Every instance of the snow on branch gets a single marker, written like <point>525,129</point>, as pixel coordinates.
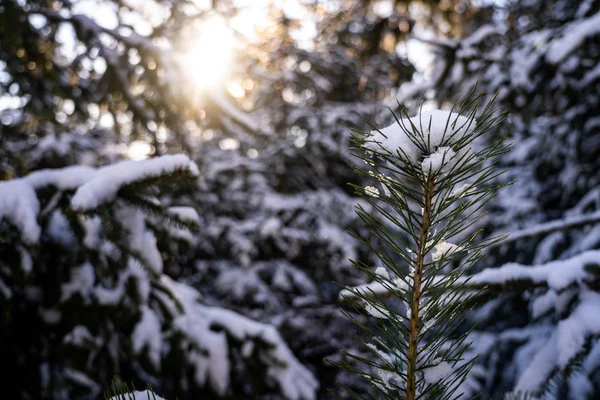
<point>107,181</point>
<point>93,187</point>
<point>574,35</point>
<point>556,275</point>
<point>568,341</point>
<point>208,328</point>
<point>20,206</point>
<point>551,226</point>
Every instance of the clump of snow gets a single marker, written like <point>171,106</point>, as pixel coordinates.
<point>376,311</point>
<point>566,343</point>
<point>382,272</point>
<point>387,377</point>
<point>543,304</point>
<point>113,295</point>
<point>437,372</point>
<point>26,261</point>
<point>79,336</point>
<point>372,191</point>
<point>20,206</point>
<point>461,190</point>
<point>147,334</point>
<point>573,332</point>
<point>187,214</point>
<point>444,249</point>
<point>421,135</point>
<point>81,282</point>
<point>59,230</point>
<point>437,160</point>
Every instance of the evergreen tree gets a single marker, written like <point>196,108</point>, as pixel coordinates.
<point>84,295</point>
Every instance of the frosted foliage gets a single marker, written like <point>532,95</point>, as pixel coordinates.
<point>19,205</point>
<point>147,334</point>
<point>422,135</point>
<point>81,282</point>
<point>187,214</point>
<point>573,332</point>
<point>210,354</point>
<point>575,34</point>
<point>141,239</point>
<point>107,181</point>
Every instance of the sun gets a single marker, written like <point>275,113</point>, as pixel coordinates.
<point>207,58</point>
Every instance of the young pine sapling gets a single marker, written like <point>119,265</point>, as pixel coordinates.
<point>432,177</point>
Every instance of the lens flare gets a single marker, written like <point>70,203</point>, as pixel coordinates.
<point>208,58</point>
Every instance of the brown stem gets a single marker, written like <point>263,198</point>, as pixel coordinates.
<point>411,384</point>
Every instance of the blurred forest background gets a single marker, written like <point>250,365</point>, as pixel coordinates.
<point>262,96</point>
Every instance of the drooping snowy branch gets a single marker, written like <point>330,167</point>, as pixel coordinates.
<point>545,228</point>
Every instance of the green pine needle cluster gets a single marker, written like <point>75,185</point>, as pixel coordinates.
<point>421,228</point>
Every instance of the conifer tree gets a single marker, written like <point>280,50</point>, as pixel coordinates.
<point>432,178</point>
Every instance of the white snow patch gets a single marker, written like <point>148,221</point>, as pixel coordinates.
<point>376,311</point>
<point>68,178</point>
<point>573,332</point>
<point>187,214</point>
<point>431,130</point>
<point>372,191</point>
<point>575,34</point>
<point>141,239</point>
<point>437,160</point>
<point>20,206</point>
<point>107,181</point>
<point>437,372</point>
<point>444,249</point>
<point>147,334</point>
<point>82,281</point>
<point>382,272</point>
<point>558,274</point>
